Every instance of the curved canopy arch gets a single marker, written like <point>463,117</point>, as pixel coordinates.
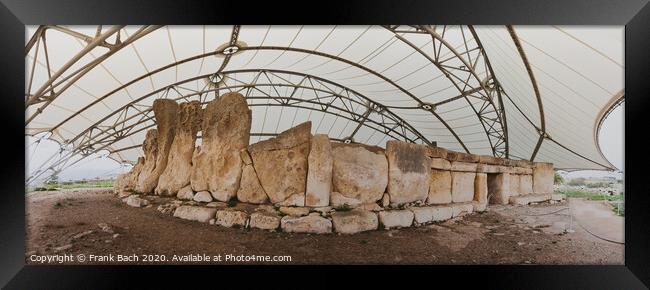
<point>447,85</point>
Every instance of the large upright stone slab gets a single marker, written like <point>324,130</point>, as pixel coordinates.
<point>125,184</point>
<point>359,171</point>
<point>462,187</point>
<point>319,174</point>
<point>281,162</point>
<point>481,188</point>
<point>499,188</point>
<point>165,112</point>
<point>409,172</point>
<point>526,184</point>
<point>250,189</point>
<point>514,185</point>
<point>439,187</point>
<point>225,130</point>
<point>179,163</point>
<point>543,176</point>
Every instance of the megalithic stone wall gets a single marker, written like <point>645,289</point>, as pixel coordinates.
<point>165,112</point>
<point>225,129</point>
<point>125,183</point>
<point>320,186</point>
<point>179,165</point>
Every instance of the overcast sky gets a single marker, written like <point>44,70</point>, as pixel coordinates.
<point>611,142</point>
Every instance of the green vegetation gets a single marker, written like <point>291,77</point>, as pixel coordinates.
<point>232,202</point>
<point>577,181</point>
<point>52,186</point>
<point>558,179</point>
<point>616,201</point>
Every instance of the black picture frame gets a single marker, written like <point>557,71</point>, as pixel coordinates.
<point>635,15</point>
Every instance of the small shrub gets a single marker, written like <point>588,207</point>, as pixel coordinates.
<point>381,226</point>
<point>232,202</point>
<point>236,226</point>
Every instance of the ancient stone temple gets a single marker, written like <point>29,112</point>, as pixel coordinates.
<point>304,183</point>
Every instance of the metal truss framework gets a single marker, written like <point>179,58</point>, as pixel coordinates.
<point>463,68</point>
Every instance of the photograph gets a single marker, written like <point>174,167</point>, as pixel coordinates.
<point>324,144</point>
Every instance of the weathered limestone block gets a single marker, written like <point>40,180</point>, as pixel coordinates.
<point>319,174</point>
<point>179,163</point>
<point>479,206</point>
<point>462,157</point>
<point>339,200</point>
<point>436,152</point>
<point>522,170</point>
<point>281,162</point>
<point>203,196</point>
<point>125,184</point>
<point>229,218</point>
<point>481,188</point>
<point>225,129</point>
<point>195,213</point>
<point>296,199</point>
<point>185,193</point>
<point>311,224</point>
<point>370,206</point>
<point>462,187</point>
<point>528,198</point>
<point>135,201</point>
<point>514,185</point>
<point>294,211</point>
<point>354,221</point>
<point>439,187</point>
<point>440,164</point>
<point>250,190</point>
<point>460,209</point>
<point>359,171</point>
<point>463,166</point>
<point>499,188</point>
<point>150,148</point>
<point>543,174</point>
<point>409,172</point>
<point>487,168</point>
<point>396,218</point>
<point>428,214</point>
<point>526,184</point>
<point>491,160</point>
<point>522,163</point>
<point>264,220</point>
<point>166,112</point>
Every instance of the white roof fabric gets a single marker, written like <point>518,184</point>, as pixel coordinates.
<point>418,87</point>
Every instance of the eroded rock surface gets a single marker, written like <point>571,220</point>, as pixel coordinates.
<point>179,163</point>
<point>319,174</point>
<point>225,129</point>
<point>409,172</point>
<point>125,184</point>
<point>359,171</point>
<point>166,113</point>
<point>281,162</point>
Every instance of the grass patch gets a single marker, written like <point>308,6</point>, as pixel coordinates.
<point>232,202</point>
<point>67,185</point>
<point>613,200</point>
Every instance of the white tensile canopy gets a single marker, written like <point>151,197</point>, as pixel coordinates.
<point>535,93</point>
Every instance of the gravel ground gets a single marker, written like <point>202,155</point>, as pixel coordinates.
<point>95,222</point>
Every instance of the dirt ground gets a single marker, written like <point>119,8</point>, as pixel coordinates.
<point>94,221</point>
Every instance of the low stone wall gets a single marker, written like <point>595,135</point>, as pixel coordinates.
<point>297,182</point>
